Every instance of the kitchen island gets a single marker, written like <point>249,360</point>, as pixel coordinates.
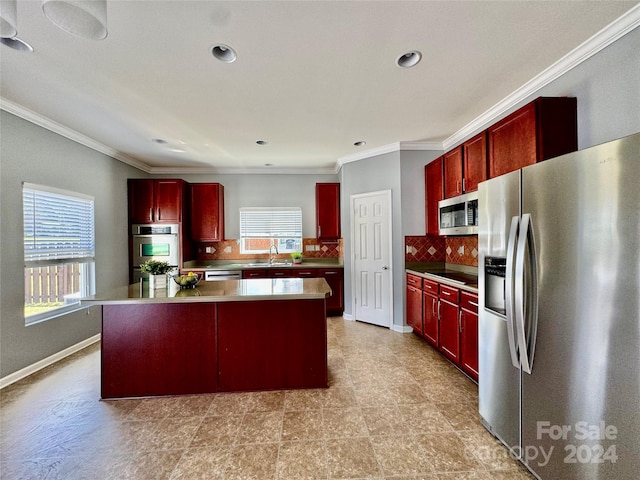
<point>223,336</point>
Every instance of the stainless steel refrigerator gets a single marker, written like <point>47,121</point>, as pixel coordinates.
<point>559,317</point>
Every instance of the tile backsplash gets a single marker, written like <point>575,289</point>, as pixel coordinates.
<point>458,250</point>
<point>230,250</point>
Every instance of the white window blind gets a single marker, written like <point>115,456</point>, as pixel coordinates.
<point>58,225</point>
<point>268,222</point>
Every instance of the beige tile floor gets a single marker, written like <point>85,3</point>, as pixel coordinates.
<point>394,410</point>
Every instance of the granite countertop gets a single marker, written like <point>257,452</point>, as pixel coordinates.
<point>464,278</point>
<point>217,291</point>
<point>261,263</point>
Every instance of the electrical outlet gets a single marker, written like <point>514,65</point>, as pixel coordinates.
<point>207,249</point>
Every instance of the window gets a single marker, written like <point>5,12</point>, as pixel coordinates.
<point>59,251</point>
<point>260,228</point>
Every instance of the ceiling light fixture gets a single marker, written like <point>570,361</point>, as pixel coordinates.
<point>360,143</point>
<point>224,53</point>
<point>8,18</point>
<point>159,141</point>
<point>84,18</point>
<point>16,44</point>
<point>262,142</point>
<point>409,59</point>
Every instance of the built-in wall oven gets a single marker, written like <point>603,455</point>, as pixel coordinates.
<point>154,242</point>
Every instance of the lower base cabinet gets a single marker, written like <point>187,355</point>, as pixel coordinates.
<point>469,333</point>
<point>449,321</point>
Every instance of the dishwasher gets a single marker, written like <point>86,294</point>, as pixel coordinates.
<point>213,275</point>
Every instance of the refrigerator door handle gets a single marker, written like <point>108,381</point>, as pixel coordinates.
<point>526,293</point>
<point>509,293</point>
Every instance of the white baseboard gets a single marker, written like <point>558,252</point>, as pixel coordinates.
<point>45,362</point>
<point>401,328</point>
<point>347,316</point>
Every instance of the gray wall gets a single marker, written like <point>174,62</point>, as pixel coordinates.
<point>273,190</point>
<point>29,153</point>
<point>374,174</point>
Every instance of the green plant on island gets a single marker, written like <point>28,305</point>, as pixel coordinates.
<point>155,267</point>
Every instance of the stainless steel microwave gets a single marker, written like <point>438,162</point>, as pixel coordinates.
<point>459,215</point>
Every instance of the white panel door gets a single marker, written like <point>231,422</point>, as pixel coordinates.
<point>372,257</point>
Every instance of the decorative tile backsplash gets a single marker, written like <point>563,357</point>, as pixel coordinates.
<point>230,250</point>
<point>458,250</point>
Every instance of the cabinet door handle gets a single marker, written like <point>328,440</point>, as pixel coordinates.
<point>438,310</point>
<point>463,184</point>
<point>330,273</point>
<point>473,303</point>
<point>460,321</point>
<point>319,231</point>
<point>433,306</point>
<point>151,214</point>
<point>446,293</point>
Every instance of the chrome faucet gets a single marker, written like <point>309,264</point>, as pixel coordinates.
<point>271,256</point>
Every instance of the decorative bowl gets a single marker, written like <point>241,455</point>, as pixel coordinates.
<point>187,281</point>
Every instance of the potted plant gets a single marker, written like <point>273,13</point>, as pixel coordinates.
<point>157,271</point>
<point>297,257</point>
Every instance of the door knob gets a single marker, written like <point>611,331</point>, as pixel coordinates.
<point>385,268</point>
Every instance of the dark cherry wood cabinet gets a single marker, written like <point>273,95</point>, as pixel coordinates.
<point>469,333</point>
<point>448,334</point>
<point>430,315</point>
<point>434,192</point>
<point>542,129</point>
<point>452,162</point>
<point>414,303</point>
<point>272,345</point>
<point>328,211</point>
<point>207,212</point>
<point>335,279</point>
<point>465,166</point>
<point>148,349</point>
<point>474,160</point>
<point>156,201</point>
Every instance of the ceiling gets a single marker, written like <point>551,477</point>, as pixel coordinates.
<point>311,77</point>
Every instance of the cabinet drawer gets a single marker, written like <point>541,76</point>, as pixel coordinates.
<point>279,272</point>
<point>304,273</point>
<point>449,293</point>
<point>414,281</point>
<point>469,301</point>
<point>430,286</point>
<point>254,273</point>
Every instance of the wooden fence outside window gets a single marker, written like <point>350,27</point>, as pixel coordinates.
<point>50,284</point>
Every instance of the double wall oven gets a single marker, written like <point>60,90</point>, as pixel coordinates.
<point>154,242</point>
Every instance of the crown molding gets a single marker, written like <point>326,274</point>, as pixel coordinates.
<point>240,171</point>
<point>391,147</point>
<point>55,127</point>
<point>605,37</point>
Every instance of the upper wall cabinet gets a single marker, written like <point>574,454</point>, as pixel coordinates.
<point>542,129</point>
<point>474,156</point>
<point>453,173</point>
<point>155,201</point>
<point>207,212</point>
<point>433,175</point>
<point>328,211</point>
<point>465,166</point>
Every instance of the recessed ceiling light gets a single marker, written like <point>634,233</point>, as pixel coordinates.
<point>159,141</point>
<point>262,142</point>
<point>224,53</point>
<point>16,44</point>
<point>361,143</point>
<point>409,59</point>
<point>268,164</point>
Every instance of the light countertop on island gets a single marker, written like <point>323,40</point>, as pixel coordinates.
<point>216,291</point>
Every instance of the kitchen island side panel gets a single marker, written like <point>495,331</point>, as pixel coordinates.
<point>158,349</point>
<point>272,345</point>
